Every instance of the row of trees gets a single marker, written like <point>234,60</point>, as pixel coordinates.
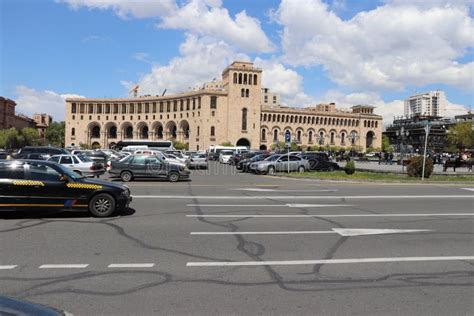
<point>14,139</point>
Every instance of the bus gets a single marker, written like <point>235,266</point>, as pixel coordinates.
<point>161,145</point>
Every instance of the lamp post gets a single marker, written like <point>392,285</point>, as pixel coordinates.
<point>353,136</point>
<point>427,132</point>
<point>402,134</point>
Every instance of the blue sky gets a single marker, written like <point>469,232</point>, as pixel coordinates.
<point>311,50</point>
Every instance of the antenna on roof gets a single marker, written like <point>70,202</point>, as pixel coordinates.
<point>164,92</point>
<point>134,90</point>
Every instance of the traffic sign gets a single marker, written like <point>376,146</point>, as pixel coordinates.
<point>287,137</point>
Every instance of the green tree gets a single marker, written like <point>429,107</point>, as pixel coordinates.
<point>386,143</point>
<point>461,135</point>
<point>55,134</point>
<point>30,136</point>
<point>10,139</point>
<point>181,146</point>
<point>227,143</point>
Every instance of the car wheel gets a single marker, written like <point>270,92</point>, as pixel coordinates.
<point>271,170</point>
<point>78,172</point>
<point>301,169</point>
<point>126,176</point>
<point>173,177</point>
<point>102,205</point>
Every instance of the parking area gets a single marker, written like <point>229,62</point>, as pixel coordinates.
<point>232,243</point>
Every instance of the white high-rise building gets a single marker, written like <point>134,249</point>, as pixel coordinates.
<point>431,103</point>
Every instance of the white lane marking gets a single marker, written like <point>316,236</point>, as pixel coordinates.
<point>347,232</point>
<point>326,261</point>
<point>331,215</point>
<point>300,197</point>
<point>265,233</point>
<point>274,190</point>
<point>8,267</point>
<point>131,265</point>
<point>63,266</point>
<point>352,232</point>
<point>268,205</point>
<point>469,189</point>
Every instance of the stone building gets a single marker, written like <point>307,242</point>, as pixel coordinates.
<point>42,121</point>
<point>9,119</point>
<point>231,110</point>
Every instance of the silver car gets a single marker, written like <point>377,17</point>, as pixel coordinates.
<point>280,163</point>
<point>198,161</point>
<point>80,164</point>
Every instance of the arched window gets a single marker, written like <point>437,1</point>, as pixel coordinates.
<point>250,79</point>
<point>264,134</point>
<point>365,123</point>
<point>244,119</point>
<point>112,132</point>
<point>321,138</point>
<point>343,138</point>
<point>332,138</point>
<point>376,124</point>
<point>73,108</point>
<point>242,93</point>
<point>275,134</point>
<point>255,80</point>
<point>247,93</point>
<point>240,78</point>
<point>213,131</point>
<point>298,136</point>
<point>235,77</point>
<point>245,78</point>
<point>96,132</point>
<point>300,119</point>
<point>73,132</point>
<point>129,132</point>
<point>278,118</point>
<point>264,117</point>
<point>198,130</point>
<point>310,137</point>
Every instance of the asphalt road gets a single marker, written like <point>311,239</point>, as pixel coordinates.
<point>226,243</point>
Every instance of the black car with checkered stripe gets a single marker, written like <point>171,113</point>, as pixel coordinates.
<point>34,184</point>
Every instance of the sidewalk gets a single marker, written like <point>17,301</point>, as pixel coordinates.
<point>374,166</point>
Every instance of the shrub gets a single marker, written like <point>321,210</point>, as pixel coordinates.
<point>415,168</point>
<point>181,146</point>
<point>350,167</point>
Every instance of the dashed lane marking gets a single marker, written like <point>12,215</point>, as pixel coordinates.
<point>327,261</point>
<point>63,266</point>
<point>131,265</point>
<point>347,232</point>
<point>8,267</point>
<point>269,205</point>
<point>329,215</point>
<point>468,189</point>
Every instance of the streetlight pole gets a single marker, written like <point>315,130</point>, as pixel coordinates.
<point>427,132</point>
<point>402,133</point>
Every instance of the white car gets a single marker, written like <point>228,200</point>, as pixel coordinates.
<point>80,164</point>
<point>225,155</point>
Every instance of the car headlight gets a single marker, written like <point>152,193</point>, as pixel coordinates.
<point>126,193</point>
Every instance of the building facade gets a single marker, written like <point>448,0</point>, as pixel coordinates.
<point>9,119</point>
<point>432,103</point>
<point>42,121</point>
<point>231,110</point>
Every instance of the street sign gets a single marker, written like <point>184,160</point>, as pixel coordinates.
<point>287,137</point>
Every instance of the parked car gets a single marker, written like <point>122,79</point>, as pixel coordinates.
<point>244,164</point>
<point>319,161</point>
<point>32,184</point>
<point>225,155</point>
<point>95,155</point>
<point>3,154</point>
<point>82,165</point>
<point>39,152</point>
<point>161,155</point>
<point>148,166</point>
<point>198,161</point>
<point>280,163</point>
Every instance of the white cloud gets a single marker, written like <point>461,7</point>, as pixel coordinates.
<point>201,59</point>
<point>283,81</point>
<point>201,17</point>
<point>143,57</point>
<point>30,101</point>
<point>388,48</point>
<point>127,8</point>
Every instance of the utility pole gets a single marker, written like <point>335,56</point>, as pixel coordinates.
<point>427,132</point>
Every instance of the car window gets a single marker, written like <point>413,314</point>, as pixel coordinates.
<point>42,173</point>
<point>54,159</point>
<point>11,171</point>
<point>139,160</point>
<point>152,160</point>
<point>84,158</point>
<point>283,158</point>
<point>66,160</point>
<point>294,158</point>
<point>75,159</point>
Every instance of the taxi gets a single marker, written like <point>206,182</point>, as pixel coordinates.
<point>34,184</point>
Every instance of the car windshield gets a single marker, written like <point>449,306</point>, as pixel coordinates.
<point>272,158</point>
<point>84,158</point>
<point>227,152</point>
